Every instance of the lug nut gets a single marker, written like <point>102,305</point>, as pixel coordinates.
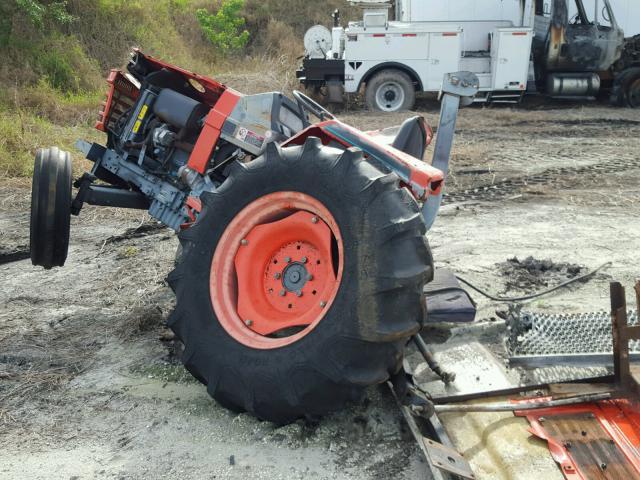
<point>244,242</point>
<point>304,260</point>
<point>309,277</point>
<point>287,259</point>
<point>248,323</point>
<point>314,219</point>
<point>277,276</point>
<point>299,293</point>
<point>323,304</point>
<point>283,293</point>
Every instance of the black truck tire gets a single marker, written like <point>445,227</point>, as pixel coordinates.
<point>379,304</point>
<point>630,88</point>
<point>390,91</point>
<point>626,88</point>
<point>50,207</point>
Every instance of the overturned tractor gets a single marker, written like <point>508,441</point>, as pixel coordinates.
<point>302,259</point>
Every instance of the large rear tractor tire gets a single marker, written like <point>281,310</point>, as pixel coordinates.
<point>300,283</point>
<point>50,207</point>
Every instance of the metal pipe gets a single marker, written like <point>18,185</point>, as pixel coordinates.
<point>567,360</point>
<point>458,90</point>
<point>423,348</point>
<point>514,407</point>
<point>503,392</point>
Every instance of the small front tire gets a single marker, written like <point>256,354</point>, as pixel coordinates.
<point>50,207</point>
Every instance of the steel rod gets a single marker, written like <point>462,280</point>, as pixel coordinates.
<point>567,360</point>
<point>513,407</point>
<point>467,397</point>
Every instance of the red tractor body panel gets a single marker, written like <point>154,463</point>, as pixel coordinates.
<point>420,177</point>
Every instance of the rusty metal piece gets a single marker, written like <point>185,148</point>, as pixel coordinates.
<point>622,334</point>
<point>447,459</point>
<point>589,450</point>
<point>437,454</point>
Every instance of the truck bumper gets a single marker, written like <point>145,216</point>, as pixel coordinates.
<point>319,71</point>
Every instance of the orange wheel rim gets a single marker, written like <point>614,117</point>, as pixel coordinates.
<point>276,270</point>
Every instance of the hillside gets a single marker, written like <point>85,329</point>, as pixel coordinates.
<point>54,56</point>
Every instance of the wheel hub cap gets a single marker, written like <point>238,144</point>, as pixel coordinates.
<point>295,277</point>
<point>390,97</point>
<point>284,272</point>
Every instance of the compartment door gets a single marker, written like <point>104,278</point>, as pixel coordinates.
<point>510,54</point>
<point>444,57</point>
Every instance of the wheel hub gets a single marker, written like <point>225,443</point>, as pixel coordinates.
<point>285,273</point>
<point>294,277</point>
<point>390,96</point>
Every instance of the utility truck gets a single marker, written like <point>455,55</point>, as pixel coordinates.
<point>559,48</point>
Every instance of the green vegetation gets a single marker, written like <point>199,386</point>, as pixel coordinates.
<point>225,28</point>
<point>55,54</point>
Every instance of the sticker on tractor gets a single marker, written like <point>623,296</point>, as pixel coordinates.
<point>143,112</point>
<point>250,137</point>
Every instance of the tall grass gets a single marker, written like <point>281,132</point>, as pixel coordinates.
<point>52,78</point>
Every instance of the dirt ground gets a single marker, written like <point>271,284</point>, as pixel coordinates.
<point>90,387</point>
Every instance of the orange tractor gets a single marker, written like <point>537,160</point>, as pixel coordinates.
<point>302,260</point>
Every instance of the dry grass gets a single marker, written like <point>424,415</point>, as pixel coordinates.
<point>22,133</point>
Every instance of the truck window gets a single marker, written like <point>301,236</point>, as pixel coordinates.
<point>595,12</point>
<point>543,8</point>
<point>580,13</point>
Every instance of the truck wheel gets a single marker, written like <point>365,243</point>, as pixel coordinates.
<point>390,91</point>
<point>50,208</point>
<point>300,283</point>
<point>631,88</point>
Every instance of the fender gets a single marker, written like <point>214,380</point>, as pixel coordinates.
<point>392,66</point>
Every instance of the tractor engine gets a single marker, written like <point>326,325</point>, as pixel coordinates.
<point>171,135</point>
<point>160,132</point>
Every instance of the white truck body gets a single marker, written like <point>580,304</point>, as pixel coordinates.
<point>627,12</point>
<point>489,41</point>
<point>429,50</point>
<point>556,47</point>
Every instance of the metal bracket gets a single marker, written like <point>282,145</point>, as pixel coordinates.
<point>622,334</point>
<point>458,90</point>
<point>447,459</point>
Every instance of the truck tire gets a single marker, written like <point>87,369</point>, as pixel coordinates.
<point>50,208</point>
<point>390,91</point>
<point>300,283</point>
<point>630,88</point>
<point>626,88</point>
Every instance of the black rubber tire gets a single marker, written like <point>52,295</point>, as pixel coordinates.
<point>378,307</point>
<point>50,207</point>
<point>630,88</point>
<point>379,79</point>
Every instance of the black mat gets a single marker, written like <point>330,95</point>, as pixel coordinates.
<point>447,301</point>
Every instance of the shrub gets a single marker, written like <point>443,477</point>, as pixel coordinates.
<point>39,12</point>
<point>225,28</point>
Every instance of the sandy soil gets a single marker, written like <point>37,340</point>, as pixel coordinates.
<point>90,386</point>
